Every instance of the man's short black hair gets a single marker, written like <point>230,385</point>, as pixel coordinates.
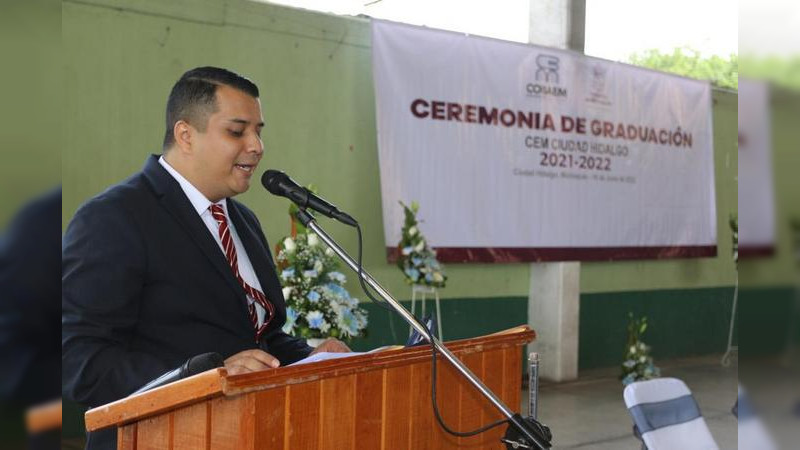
<point>193,98</point>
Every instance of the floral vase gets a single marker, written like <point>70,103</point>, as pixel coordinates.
<point>314,342</point>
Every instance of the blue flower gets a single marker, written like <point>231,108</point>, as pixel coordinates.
<point>407,250</point>
<point>315,319</point>
<point>287,273</point>
<point>412,273</point>
<point>416,260</point>
<point>291,320</point>
<point>313,296</point>
<point>630,378</point>
<point>337,290</point>
<point>351,303</point>
<point>347,322</point>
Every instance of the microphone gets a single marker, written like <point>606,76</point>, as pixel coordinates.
<point>278,183</point>
<point>196,364</point>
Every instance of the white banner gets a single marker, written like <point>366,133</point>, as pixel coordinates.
<point>756,197</point>
<point>523,153</point>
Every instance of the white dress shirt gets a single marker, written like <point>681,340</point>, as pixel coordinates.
<point>201,205</point>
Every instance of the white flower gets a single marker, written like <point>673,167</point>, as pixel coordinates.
<point>289,244</point>
<point>633,349</point>
<point>309,273</point>
<point>287,291</point>
<point>412,231</point>
<point>318,266</point>
<point>328,252</point>
<point>313,240</point>
<point>324,327</point>
<point>419,247</point>
<point>337,276</point>
<point>437,277</point>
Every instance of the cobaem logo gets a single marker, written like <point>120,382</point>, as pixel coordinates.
<point>547,68</point>
<point>547,78</point>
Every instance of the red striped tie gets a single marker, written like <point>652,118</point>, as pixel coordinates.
<point>230,254</point>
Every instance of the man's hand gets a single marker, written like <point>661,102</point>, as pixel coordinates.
<point>332,345</point>
<point>250,361</point>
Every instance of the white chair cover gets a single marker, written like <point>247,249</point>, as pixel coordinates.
<point>667,415</point>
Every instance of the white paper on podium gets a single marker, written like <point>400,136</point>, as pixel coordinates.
<point>324,356</point>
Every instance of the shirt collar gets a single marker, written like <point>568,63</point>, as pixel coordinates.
<point>198,200</point>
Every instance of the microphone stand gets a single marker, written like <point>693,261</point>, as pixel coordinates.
<point>528,429</point>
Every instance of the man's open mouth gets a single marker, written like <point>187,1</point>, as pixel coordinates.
<point>249,168</point>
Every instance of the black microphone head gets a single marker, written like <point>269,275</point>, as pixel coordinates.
<point>271,179</point>
<point>201,363</point>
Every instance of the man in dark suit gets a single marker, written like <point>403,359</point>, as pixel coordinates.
<point>166,266</point>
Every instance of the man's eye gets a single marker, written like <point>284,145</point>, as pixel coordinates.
<point>236,133</point>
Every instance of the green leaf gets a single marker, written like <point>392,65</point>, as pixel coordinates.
<point>722,72</point>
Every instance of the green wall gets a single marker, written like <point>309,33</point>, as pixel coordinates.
<point>30,89</point>
<point>683,322</point>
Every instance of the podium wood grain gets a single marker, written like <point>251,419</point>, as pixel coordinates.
<point>378,400</point>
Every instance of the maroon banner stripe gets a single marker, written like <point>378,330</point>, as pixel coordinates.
<point>523,254</point>
<point>756,251</point>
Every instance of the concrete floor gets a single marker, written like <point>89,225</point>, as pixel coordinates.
<point>590,413</point>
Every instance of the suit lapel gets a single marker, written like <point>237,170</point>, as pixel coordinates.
<point>179,207</point>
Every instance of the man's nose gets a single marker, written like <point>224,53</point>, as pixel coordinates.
<point>255,145</point>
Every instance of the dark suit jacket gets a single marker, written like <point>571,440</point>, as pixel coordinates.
<point>29,308</point>
<point>145,287</point>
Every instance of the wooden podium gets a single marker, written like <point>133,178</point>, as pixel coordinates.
<point>379,400</point>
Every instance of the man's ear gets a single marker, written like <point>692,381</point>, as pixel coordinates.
<point>184,134</point>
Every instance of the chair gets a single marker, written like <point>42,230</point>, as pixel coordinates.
<point>666,415</point>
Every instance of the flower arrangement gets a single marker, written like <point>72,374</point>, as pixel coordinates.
<point>318,305</point>
<point>417,260</point>
<point>638,364</point>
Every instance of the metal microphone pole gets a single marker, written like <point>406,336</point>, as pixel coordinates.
<point>523,426</point>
